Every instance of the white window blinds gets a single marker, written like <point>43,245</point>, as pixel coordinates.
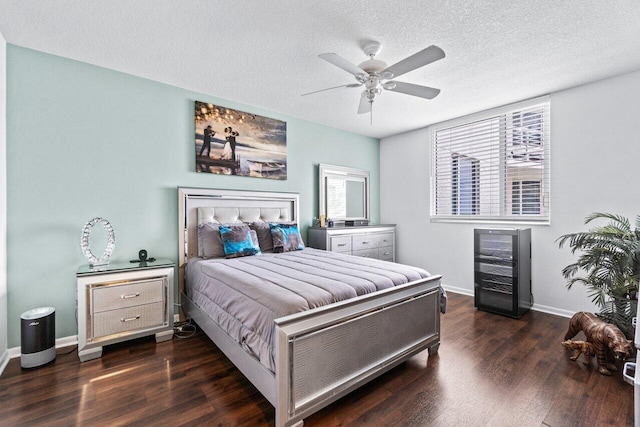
<point>493,165</point>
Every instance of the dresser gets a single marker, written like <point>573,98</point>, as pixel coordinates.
<point>371,241</point>
<point>119,302</point>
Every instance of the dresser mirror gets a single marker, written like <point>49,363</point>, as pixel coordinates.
<point>344,193</point>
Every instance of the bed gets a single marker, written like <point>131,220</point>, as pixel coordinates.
<point>301,351</point>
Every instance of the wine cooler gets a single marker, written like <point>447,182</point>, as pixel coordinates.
<point>502,271</point>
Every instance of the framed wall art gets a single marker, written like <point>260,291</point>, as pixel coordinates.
<point>234,142</point>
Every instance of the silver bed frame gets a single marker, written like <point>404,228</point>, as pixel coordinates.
<point>324,353</point>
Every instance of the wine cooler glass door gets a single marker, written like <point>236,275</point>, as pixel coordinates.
<point>496,271</point>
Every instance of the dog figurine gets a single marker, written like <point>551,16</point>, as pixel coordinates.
<point>579,347</point>
<point>605,339</point>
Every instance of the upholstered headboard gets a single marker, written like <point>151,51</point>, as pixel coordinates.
<point>227,215</point>
<point>200,205</point>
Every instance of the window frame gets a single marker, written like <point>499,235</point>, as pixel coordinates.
<point>544,218</point>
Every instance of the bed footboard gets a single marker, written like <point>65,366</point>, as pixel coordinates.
<point>326,353</point>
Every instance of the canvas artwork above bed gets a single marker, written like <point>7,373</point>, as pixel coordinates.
<point>234,142</point>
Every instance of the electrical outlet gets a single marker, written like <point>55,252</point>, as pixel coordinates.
<point>176,318</point>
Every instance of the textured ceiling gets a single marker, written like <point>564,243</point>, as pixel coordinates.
<point>264,54</point>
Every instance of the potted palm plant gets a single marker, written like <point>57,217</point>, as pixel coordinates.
<point>609,255</point>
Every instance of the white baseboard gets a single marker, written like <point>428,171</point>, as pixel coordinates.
<point>455,290</point>
<point>60,342</point>
<point>552,310</point>
<point>536,307</point>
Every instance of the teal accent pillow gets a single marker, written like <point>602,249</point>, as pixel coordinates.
<point>286,237</point>
<point>238,241</point>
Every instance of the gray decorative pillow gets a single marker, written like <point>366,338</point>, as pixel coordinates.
<point>263,231</point>
<point>209,241</point>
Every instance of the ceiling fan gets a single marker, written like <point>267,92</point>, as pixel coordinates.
<point>377,76</point>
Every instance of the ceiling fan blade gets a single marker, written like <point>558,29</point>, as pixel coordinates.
<point>415,90</point>
<point>417,60</point>
<point>340,62</point>
<point>331,88</point>
<point>365,105</point>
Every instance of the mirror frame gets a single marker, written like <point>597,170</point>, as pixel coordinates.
<point>325,171</point>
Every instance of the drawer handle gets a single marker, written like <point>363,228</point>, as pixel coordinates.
<point>342,244</point>
<point>137,294</point>
<point>129,319</point>
<point>365,242</point>
<point>386,253</point>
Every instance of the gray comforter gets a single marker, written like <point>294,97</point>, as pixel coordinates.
<point>245,295</point>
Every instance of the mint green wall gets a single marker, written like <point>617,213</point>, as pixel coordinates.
<point>84,141</point>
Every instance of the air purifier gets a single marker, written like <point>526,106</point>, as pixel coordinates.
<point>38,337</point>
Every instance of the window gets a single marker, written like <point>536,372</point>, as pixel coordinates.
<point>525,198</point>
<point>464,185</point>
<point>493,165</point>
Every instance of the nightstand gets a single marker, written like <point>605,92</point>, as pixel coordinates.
<point>123,301</point>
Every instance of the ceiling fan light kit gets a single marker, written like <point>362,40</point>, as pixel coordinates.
<point>376,75</point>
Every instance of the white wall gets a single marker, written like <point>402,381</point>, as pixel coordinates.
<point>3,204</point>
<point>595,167</point>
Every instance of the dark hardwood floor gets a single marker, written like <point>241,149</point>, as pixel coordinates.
<point>490,371</point>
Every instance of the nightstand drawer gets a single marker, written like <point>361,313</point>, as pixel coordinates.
<point>367,253</point>
<point>114,296</point>
<point>341,244</point>
<point>364,241</point>
<point>128,319</point>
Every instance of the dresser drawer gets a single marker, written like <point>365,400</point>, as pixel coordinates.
<point>340,244</point>
<point>376,241</point>
<point>385,239</point>
<point>385,253</point>
<point>141,292</point>
<point>128,319</point>
<point>367,253</point>
<point>364,241</point>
